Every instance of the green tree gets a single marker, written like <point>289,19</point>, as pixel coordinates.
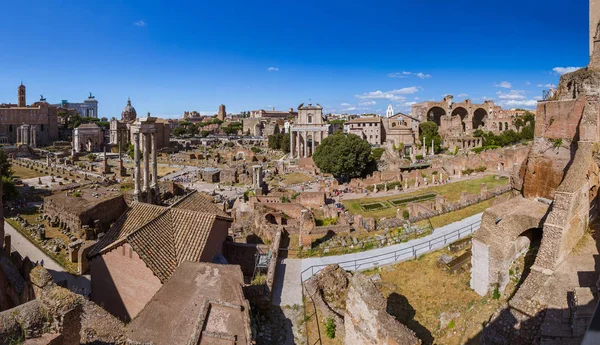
<point>345,156</point>
<point>285,143</point>
<point>5,164</point>
<point>9,189</point>
<point>275,141</point>
<point>429,131</point>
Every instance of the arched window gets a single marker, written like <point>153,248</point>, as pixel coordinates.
<point>506,126</point>
<point>309,118</point>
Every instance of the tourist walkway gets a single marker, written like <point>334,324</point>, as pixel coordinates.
<point>79,284</point>
<point>288,289</point>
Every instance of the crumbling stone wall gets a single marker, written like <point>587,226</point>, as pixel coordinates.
<point>366,320</point>
<point>311,200</point>
<point>106,211</point>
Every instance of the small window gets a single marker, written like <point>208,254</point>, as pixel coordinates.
<point>309,118</point>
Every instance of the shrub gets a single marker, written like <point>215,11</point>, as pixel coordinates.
<point>330,328</point>
<point>405,214</point>
<point>481,169</point>
<point>419,157</point>
<point>496,293</point>
<point>255,149</point>
<point>285,199</point>
<point>377,153</point>
<point>77,194</point>
<point>557,143</point>
<point>91,157</point>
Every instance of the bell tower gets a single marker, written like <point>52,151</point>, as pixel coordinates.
<point>22,96</point>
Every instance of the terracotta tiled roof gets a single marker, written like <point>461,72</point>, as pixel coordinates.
<point>164,237</point>
<point>201,203</point>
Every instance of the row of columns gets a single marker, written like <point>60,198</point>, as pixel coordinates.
<point>27,135</point>
<point>147,143</point>
<point>300,149</point>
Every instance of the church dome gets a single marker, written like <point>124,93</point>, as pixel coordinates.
<point>129,113</point>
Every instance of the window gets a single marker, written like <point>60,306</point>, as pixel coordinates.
<point>309,118</point>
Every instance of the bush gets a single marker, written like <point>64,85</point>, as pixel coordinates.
<point>557,143</point>
<point>330,328</point>
<point>77,194</point>
<point>255,149</point>
<point>377,153</point>
<point>419,157</point>
<point>91,157</point>
<point>496,293</point>
<point>405,214</point>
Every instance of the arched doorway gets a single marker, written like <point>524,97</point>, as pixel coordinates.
<point>462,113</point>
<point>479,117</point>
<point>435,115</point>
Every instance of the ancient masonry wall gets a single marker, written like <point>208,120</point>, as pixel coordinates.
<point>366,320</point>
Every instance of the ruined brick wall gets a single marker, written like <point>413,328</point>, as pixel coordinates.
<point>554,146</point>
<point>121,282</point>
<point>311,199</point>
<point>366,320</point>
<point>106,211</point>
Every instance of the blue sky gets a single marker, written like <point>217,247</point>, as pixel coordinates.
<point>353,57</point>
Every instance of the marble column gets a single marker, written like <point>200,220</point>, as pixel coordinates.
<point>312,146</point>
<point>136,158</point>
<point>305,144</point>
<point>291,143</point>
<point>146,162</point>
<point>154,161</point>
<point>298,143</point>
<point>18,134</point>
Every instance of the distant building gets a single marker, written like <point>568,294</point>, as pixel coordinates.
<point>87,108</point>
<point>40,117</point>
<point>308,131</point>
<point>368,128</point>
<point>222,113</point>
<point>120,131</point>
<point>261,113</point>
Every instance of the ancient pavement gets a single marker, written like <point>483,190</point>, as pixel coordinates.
<point>288,290</point>
<point>79,284</point>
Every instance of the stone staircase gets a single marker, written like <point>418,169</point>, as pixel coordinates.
<point>567,326</point>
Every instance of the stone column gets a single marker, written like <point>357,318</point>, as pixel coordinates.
<point>34,136</point>
<point>146,162</point>
<point>305,144</point>
<point>154,161</point>
<point>18,134</point>
<point>136,158</point>
<point>298,135</point>
<point>291,143</point>
<point>312,146</point>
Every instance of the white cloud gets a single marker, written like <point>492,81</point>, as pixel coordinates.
<point>513,94</point>
<point>463,95</point>
<point>345,104</point>
<point>520,103</point>
<point>547,86</point>
<point>349,109</point>
<point>409,103</point>
<point>394,95</point>
<point>405,74</point>
<point>367,103</point>
<point>273,69</point>
<point>527,83</point>
<point>504,84</point>
<point>396,75</point>
<point>564,70</point>
<point>140,23</point>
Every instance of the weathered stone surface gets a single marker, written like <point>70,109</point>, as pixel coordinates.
<point>366,320</point>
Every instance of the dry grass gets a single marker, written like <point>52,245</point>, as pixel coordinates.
<point>24,173</point>
<point>294,178</point>
<point>456,216</point>
<point>430,291</point>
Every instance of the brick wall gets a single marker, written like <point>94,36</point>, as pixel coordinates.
<point>121,282</point>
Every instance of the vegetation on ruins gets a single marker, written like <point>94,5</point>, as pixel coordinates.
<point>345,156</point>
<point>330,328</point>
<point>525,124</point>
<point>74,120</point>
<point>377,153</point>
<point>232,128</point>
<point>280,142</point>
<point>9,189</point>
<point>428,131</point>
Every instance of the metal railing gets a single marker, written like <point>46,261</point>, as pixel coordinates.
<point>411,252</point>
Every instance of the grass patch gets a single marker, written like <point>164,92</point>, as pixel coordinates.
<point>374,206</point>
<point>398,202</point>
<point>24,173</point>
<point>295,178</point>
<point>450,191</point>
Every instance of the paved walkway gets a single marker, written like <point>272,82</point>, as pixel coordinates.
<point>20,243</point>
<point>288,290</point>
